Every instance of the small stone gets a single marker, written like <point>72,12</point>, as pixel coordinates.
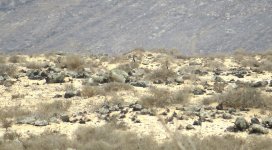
<point>255,120</point>
<point>227,116</point>
<point>64,118</point>
<point>137,107</point>
<point>197,123</point>
<point>190,127</point>
<point>41,123</point>
<point>219,106</point>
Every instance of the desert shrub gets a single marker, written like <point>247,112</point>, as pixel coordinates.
<point>47,110</point>
<point>16,59</point>
<point>116,86</point>
<point>243,97</point>
<point>163,74</point>
<point>9,70</point>
<point>35,65</point>
<point>128,67</point>
<point>16,96</point>
<point>90,91</point>
<point>109,137</point>
<point>73,62</point>
<point>2,59</point>
<point>266,65</point>
<point>7,114</point>
<point>214,64</point>
<point>219,87</point>
<point>250,62</point>
<point>163,97</point>
<point>47,141</point>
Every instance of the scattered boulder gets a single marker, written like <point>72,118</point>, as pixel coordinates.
<point>257,129</point>
<point>27,120</point>
<point>136,107</point>
<point>227,116</point>
<point>190,127</point>
<point>142,84</point>
<point>41,123</point>
<point>255,120</point>
<point>259,84</point>
<point>118,75</point>
<point>36,74</point>
<point>64,118</point>
<point>70,94</point>
<point>55,78</point>
<point>267,122</point>
<point>241,124</point>
<point>179,80</point>
<point>198,91</point>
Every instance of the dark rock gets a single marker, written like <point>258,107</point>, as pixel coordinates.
<point>198,91</point>
<point>139,84</point>
<point>145,112</point>
<point>270,84</point>
<point>259,84</point>
<point>219,106</point>
<point>241,124</point>
<point>255,120</point>
<point>57,96</point>
<point>158,82</point>
<point>231,110</point>
<point>81,121</point>
<point>55,78</point>
<point>70,94</point>
<point>64,118</point>
<point>137,107</point>
<point>267,122</point>
<point>257,129</point>
<point>197,123</point>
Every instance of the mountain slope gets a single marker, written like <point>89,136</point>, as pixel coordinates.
<point>113,26</point>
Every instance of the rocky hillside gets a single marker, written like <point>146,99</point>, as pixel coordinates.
<point>111,26</point>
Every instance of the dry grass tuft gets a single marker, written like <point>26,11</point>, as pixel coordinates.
<point>163,97</point>
<point>116,86</point>
<point>243,97</point>
<point>47,110</point>
<point>164,73</point>
<point>73,62</point>
<point>36,65</point>
<point>16,59</point>
<point>9,70</point>
<point>90,91</point>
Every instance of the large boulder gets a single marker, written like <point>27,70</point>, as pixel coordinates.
<point>258,129</point>
<point>118,75</point>
<point>36,74</point>
<point>55,78</point>
<point>241,124</point>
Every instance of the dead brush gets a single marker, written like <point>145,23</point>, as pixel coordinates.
<point>47,110</point>
<point>9,70</point>
<point>116,87</point>
<point>164,73</point>
<point>163,97</point>
<point>36,65</point>
<point>73,62</point>
<point>90,91</point>
<point>17,59</point>
<point>243,97</point>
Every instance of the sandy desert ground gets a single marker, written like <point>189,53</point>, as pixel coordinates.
<point>138,100</point>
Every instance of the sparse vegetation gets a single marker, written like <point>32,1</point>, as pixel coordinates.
<point>163,74</point>
<point>163,97</point>
<point>35,65</point>
<point>16,59</point>
<point>243,97</point>
<point>47,110</point>
<point>116,86</point>
<point>9,70</point>
<point>73,62</point>
<point>90,91</point>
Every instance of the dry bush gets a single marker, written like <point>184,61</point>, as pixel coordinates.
<point>109,137</point>
<point>219,86</point>
<point>250,62</point>
<point>47,110</point>
<point>47,141</point>
<point>128,67</point>
<point>7,114</point>
<point>9,70</point>
<point>266,65</point>
<point>2,59</point>
<point>36,65</point>
<point>243,97</point>
<point>73,62</point>
<point>163,97</point>
<point>16,96</point>
<point>214,64</point>
<point>90,91</point>
<point>116,86</point>
<point>163,74</point>
<point>16,59</point>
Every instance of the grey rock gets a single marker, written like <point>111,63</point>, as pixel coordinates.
<point>255,121</point>
<point>27,120</point>
<point>227,116</point>
<point>198,91</point>
<point>179,80</point>
<point>197,123</point>
<point>270,83</point>
<point>55,78</point>
<point>259,84</point>
<point>70,94</point>
<point>104,110</point>
<point>41,123</point>
<point>257,129</point>
<point>241,124</point>
<point>137,107</point>
<point>36,74</point>
<point>190,127</point>
<point>139,84</point>
<point>64,118</point>
<point>231,110</point>
<point>118,75</point>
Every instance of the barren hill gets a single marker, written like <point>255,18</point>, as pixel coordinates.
<point>112,26</point>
